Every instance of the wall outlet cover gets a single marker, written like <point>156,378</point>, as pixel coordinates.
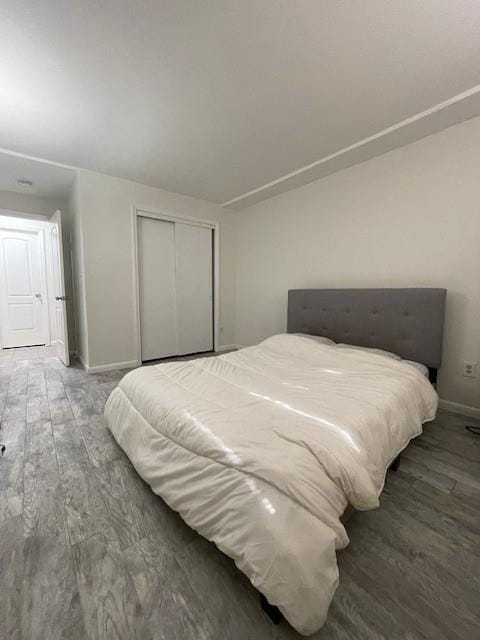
<point>470,369</point>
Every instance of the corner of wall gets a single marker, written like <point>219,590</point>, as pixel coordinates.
<point>78,273</point>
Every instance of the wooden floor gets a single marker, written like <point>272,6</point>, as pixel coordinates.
<point>87,551</point>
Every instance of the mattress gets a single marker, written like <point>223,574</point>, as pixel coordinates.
<point>261,450</point>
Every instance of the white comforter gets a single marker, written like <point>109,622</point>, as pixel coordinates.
<point>260,450</point>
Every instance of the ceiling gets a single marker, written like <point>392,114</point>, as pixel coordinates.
<point>217,98</point>
<point>48,181</point>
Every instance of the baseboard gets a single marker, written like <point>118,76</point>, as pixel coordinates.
<point>82,361</point>
<point>226,347</point>
<point>101,368</point>
<point>462,409</point>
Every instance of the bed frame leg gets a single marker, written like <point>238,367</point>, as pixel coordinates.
<point>272,612</point>
<point>395,464</point>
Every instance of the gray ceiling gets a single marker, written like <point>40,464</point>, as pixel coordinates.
<point>48,181</point>
<point>216,98</point>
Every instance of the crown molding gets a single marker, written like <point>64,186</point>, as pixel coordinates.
<point>460,107</point>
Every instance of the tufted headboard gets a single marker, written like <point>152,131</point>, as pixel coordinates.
<point>408,322</point>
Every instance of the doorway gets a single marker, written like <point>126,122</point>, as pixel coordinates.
<point>23,288</point>
<point>32,289</point>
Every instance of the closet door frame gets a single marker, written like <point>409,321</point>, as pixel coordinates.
<point>168,216</point>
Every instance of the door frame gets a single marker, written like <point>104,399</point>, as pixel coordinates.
<point>35,226</point>
<point>168,216</point>
<point>58,264</point>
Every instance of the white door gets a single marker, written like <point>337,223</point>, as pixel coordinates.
<point>22,291</point>
<point>156,277</point>
<point>61,328</point>
<point>194,282</point>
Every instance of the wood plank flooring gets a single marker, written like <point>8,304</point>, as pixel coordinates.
<point>87,551</point>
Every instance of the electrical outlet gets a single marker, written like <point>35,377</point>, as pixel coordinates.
<point>470,369</point>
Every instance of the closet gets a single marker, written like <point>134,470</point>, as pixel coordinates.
<point>175,281</point>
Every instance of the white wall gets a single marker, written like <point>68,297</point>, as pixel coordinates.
<point>39,208</point>
<point>103,217</point>
<point>78,273</point>
<point>407,218</point>
<point>27,203</point>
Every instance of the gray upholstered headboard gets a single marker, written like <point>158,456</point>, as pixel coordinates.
<point>408,322</point>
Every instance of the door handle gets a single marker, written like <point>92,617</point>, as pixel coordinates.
<point>63,298</point>
<point>38,295</point>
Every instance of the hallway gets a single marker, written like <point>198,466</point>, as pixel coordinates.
<point>27,353</point>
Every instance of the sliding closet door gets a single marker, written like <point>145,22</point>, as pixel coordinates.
<point>193,259</point>
<point>156,276</point>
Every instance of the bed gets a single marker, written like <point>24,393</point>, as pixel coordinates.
<point>261,450</point>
